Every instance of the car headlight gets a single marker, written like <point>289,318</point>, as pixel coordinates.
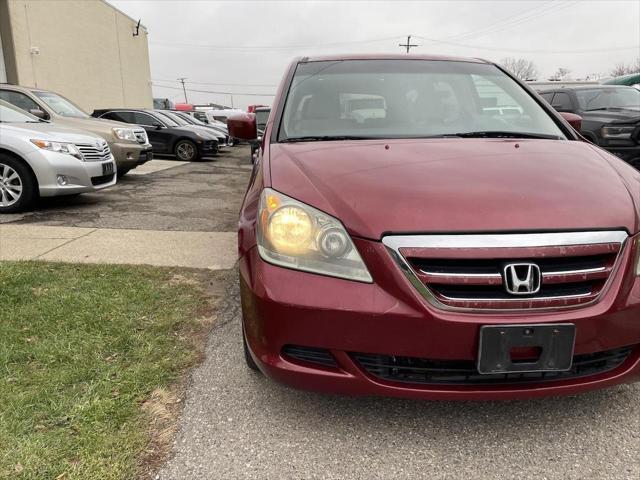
<point>60,147</point>
<point>125,134</point>
<point>621,132</point>
<point>295,235</point>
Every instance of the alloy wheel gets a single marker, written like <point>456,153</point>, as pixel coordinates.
<point>10,186</point>
<point>186,151</point>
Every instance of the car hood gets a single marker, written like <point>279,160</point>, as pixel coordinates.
<point>612,116</point>
<point>99,126</point>
<point>456,185</point>
<point>51,132</point>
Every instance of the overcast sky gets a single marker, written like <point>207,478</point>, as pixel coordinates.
<point>244,46</point>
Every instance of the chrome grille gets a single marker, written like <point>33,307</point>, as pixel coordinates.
<point>468,272</point>
<point>97,152</point>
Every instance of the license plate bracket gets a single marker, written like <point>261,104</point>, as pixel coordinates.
<point>107,168</point>
<point>555,343</point>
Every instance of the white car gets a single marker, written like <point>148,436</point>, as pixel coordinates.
<point>38,158</point>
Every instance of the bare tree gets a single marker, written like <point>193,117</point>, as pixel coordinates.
<point>624,69</point>
<point>522,68</point>
<point>561,74</point>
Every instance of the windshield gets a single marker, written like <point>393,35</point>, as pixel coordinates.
<point>189,119</point>
<point>11,114</point>
<point>408,99</point>
<point>60,105</point>
<point>166,119</point>
<point>626,98</point>
<point>175,118</point>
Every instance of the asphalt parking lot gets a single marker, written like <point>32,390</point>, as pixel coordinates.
<point>238,425</point>
<point>198,196</point>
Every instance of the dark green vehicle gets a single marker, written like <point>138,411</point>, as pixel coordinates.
<point>631,80</point>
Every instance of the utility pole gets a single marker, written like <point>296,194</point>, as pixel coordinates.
<point>408,45</point>
<point>181,80</point>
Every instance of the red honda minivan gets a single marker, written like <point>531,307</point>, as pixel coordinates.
<point>428,227</point>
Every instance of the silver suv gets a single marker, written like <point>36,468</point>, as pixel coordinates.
<point>38,158</point>
<point>128,143</point>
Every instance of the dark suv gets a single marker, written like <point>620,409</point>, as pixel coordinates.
<point>610,116</point>
<point>166,136</point>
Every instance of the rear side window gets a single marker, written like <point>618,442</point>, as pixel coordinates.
<point>126,117</point>
<point>547,96</point>
<point>142,118</point>
<point>19,100</point>
<point>562,101</point>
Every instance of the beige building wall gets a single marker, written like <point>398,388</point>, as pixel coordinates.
<point>82,49</point>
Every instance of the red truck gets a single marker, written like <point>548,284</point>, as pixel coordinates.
<point>429,227</point>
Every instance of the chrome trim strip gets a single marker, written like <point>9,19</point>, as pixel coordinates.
<point>575,272</point>
<point>517,299</point>
<point>394,242</point>
<point>474,275</point>
<point>508,240</point>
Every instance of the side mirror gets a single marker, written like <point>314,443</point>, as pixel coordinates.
<point>157,125</point>
<point>243,126</point>
<point>36,112</point>
<point>572,119</point>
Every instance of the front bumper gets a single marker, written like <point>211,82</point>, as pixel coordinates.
<point>283,307</point>
<point>207,147</point>
<point>128,155</point>
<point>81,177</point>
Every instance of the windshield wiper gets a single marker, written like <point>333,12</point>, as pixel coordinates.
<point>324,138</point>
<point>501,134</point>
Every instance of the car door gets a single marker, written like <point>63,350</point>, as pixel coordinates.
<point>158,137</point>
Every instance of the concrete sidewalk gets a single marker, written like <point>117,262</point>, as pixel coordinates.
<point>212,250</point>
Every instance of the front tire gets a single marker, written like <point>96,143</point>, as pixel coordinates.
<point>17,185</point>
<point>186,151</point>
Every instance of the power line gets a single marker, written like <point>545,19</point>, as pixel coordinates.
<point>217,93</point>
<point>273,47</point>
<point>512,21</point>
<point>519,50</point>
<point>220,84</point>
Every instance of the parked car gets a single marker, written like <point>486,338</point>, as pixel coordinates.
<point>166,136</point>
<point>194,121</point>
<point>610,116</point>
<point>441,251</point>
<point>201,115</point>
<point>128,143</point>
<point>262,115</point>
<point>222,139</point>
<point>38,158</point>
<point>631,80</point>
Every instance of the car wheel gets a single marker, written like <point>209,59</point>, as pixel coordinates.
<point>186,151</point>
<point>247,355</point>
<point>17,186</point>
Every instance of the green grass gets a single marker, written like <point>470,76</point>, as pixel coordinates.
<point>81,348</point>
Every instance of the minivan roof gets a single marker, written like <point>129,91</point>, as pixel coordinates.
<point>389,56</point>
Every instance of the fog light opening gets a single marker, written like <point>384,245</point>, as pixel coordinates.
<point>62,180</point>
